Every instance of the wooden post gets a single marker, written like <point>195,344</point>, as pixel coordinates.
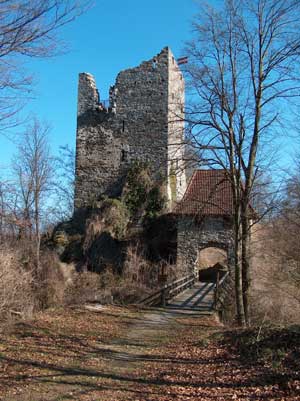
<point>217,289</point>
<point>163,282</point>
<point>163,297</point>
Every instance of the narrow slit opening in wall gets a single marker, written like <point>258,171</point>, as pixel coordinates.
<point>123,155</point>
<point>123,126</point>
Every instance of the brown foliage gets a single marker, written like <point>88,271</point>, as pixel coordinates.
<point>24,288</point>
<point>16,286</point>
<point>50,281</point>
<point>86,287</point>
<point>275,292</point>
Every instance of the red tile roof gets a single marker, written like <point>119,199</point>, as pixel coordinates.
<point>209,193</point>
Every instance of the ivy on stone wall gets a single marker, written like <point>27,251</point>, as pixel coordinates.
<point>141,195</point>
<point>115,216</point>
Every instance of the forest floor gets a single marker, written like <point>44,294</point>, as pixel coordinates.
<point>118,353</point>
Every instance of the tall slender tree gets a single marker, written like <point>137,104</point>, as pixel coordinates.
<point>244,68</point>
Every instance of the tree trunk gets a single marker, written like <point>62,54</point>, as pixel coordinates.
<point>246,262</point>
<point>238,270</point>
<point>37,229</point>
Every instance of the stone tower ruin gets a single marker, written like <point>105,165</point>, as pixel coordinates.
<point>143,120</point>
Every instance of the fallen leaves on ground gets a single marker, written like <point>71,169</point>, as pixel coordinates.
<point>130,354</point>
<point>57,347</point>
<point>215,365</point>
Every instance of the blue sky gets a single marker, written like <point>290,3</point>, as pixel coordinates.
<point>112,36</point>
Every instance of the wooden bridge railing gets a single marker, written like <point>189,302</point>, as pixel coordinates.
<point>223,287</point>
<point>169,291</point>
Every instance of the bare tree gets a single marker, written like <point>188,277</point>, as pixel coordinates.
<point>65,181</point>
<point>11,225</point>
<point>28,29</point>
<point>34,173</point>
<point>244,67</point>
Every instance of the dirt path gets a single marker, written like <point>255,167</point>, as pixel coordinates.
<point>141,346</point>
<point>152,330</point>
<point>63,366</point>
<point>121,354</point>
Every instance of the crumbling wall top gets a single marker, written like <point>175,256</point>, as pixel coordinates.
<point>88,95</point>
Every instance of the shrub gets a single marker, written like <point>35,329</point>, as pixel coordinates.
<point>50,282</point>
<point>111,216</point>
<point>116,217</point>
<point>155,204</point>
<point>89,287</point>
<point>275,293</point>
<point>83,287</point>
<point>25,289</point>
<point>129,292</point>
<point>138,184</point>
<point>137,269</point>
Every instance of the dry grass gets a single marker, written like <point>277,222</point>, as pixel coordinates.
<point>87,287</point>
<point>133,284</point>
<point>25,289</point>
<point>138,269</point>
<point>50,282</point>
<point>16,287</point>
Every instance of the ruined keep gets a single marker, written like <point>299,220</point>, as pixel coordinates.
<point>142,120</point>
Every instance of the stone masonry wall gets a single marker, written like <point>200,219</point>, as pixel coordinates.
<point>192,237</point>
<point>135,126</point>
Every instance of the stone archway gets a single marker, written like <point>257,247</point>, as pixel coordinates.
<point>193,237</point>
<point>212,262</point>
<point>210,255</point>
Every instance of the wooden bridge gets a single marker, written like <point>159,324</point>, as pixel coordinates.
<point>200,298</point>
<point>190,294</point>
